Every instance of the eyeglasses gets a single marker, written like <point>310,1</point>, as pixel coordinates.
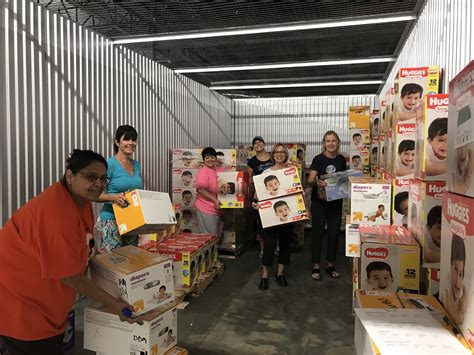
<point>280,152</point>
<point>94,177</point>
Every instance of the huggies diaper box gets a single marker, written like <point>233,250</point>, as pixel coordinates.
<point>226,159</point>
<point>411,85</point>
<point>359,117</point>
<point>142,279</point>
<point>210,239</point>
<point>374,151</point>
<point>186,158</point>
<point>183,197</point>
<point>296,153</point>
<point>383,107</point>
<point>424,218</point>
<point>404,152</point>
<point>389,100</point>
<point>359,139</point>
<point>360,160</point>
<point>282,210</point>
<point>104,332</point>
<point>370,201</point>
<point>432,139</point>
<point>337,185</point>
<point>276,183</point>
<point>375,123</point>
<point>232,189</point>
<point>401,188</point>
<point>460,174</point>
<point>203,248</point>
<point>183,177</point>
<point>456,289</point>
<point>146,212</point>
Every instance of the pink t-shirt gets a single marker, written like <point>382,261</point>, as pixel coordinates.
<point>206,179</point>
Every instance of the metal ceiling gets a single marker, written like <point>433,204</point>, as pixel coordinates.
<point>119,19</point>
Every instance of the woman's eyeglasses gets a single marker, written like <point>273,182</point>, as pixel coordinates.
<point>94,177</point>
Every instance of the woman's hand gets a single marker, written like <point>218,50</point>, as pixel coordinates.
<point>118,309</point>
<point>321,183</point>
<point>255,205</point>
<point>119,199</point>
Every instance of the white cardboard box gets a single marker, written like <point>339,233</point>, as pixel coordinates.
<point>146,212</point>
<point>370,201</point>
<point>186,158</point>
<point>277,183</point>
<point>142,279</point>
<point>359,139</point>
<point>352,239</point>
<point>337,185</point>
<point>389,108</point>
<point>374,151</point>
<point>424,218</point>
<point>375,123</point>
<point>432,139</point>
<point>401,188</point>
<point>456,288</point>
<point>183,198</point>
<point>460,172</point>
<point>360,160</point>
<point>282,210</point>
<point>183,177</point>
<point>404,150</point>
<point>105,333</point>
<point>232,187</point>
<point>411,85</point>
<point>226,159</point>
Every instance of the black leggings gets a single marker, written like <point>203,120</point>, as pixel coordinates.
<point>49,346</point>
<point>323,212</point>
<point>283,235</point>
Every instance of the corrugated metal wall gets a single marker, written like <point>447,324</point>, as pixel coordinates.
<point>295,120</point>
<point>67,87</point>
<point>442,36</point>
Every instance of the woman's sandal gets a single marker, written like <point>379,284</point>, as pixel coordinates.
<point>331,271</point>
<point>316,274</point>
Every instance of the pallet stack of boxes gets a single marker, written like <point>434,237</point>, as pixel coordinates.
<point>359,136</point>
<point>456,288</point>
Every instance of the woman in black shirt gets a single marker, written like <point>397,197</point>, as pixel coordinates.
<point>324,212</point>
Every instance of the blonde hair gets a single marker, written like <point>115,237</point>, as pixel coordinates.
<point>275,147</point>
<point>332,133</point>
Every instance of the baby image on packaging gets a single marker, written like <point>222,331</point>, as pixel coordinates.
<point>379,276</point>
<point>432,239</point>
<point>406,157</point>
<point>272,185</point>
<point>401,206</point>
<point>380,213</point>
<point>282,211</point>
<point>356,163</point>
<point>437,148</point>
<point>455,297</point>
<point>411,96</point>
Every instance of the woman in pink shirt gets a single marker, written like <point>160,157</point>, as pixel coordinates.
<point>206,204</point>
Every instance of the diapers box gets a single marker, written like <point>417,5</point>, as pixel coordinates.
<point>424,218</point>
<point>232,187</point>
<point>383,108</point>
<point>203,251</point>
<point>359,139</point>
<point>282,210</point>
<point>244,154</point>
<point>460,174</point>
<point>204,246</point>
<point>359,117</point>
<point>389,263</point>
<point>183,197</point>
<point>104,332</point>
<point>401,188</point>
<point>431,284</point>
<point>375,123</point>
<point>186,158</point>
<point>185,261</point>
<point>276,183</point>
<point>146,212</point>
<point>432,139</point>
<point>404,150</point>
<point>374,151</point>
<point>183,177</point>
<point>382,158</point>
<point>360,160</point>
<point>142,279</point>
<point>352,239</point>
<point>411,85</point>
<point>370,201</point>
<point>226,159</point>
<point>456,289</point>
<point>188,219</point>
<point>296,153</point>
<point>337,185</point>
<point>389,151</point>
<point>210,239</point>
<point>389,100</point>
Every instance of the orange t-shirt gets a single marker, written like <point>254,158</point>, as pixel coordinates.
<point>43,241</point>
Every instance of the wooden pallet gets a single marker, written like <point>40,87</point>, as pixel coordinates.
<point>210,276</point>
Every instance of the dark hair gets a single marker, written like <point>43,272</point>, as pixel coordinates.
<point>80,159</point>
<point>406,145</point>
<point>376,121</point>
<point>375,150</point>
<point>399,198</point>
<point>439,127</point>
<point>458,250</point>
<point>187,230</point>
<point>187,173</point>
<point>187,153</point>
<point>411,88</point>
<point>355,156</point>
<point>186,192</point>
<point>356,135</point>
<point>381,206</point>
<point>127,132</point>
<point>378,265</point>
<point>257,138</point>
<point>187,212</point>
<point>162,287</point>
<point>219,154</point>
<point>269,178</point>
<point>279,204</point>
<point>208,152</point>
<point>232,187</point>
<point>434,216</point>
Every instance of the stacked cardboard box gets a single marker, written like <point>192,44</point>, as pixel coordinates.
<point>456,288</point>
<point>236,236</point>
<point>359,135</point>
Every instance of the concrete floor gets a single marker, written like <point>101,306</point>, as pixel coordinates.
<point>234,317</point>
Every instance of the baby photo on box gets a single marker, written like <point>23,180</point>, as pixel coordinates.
<point>232,187</point>
<point>360,139</point>
<point>370,201</point>
<point>405,153</point>
<point>401,188</point>
<point>276,183</point>
<point>182,177</point>
<point>282,210</point>
<point>187,158</point>
<point>226,159</point>
<point>183,197</point>
<point>359,160</point>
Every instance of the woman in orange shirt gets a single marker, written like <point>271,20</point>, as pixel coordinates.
<point>44,249</point>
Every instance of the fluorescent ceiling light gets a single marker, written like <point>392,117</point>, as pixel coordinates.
<point>303,97</point>
<point>298,26</point>
<point>321,63</point>
<point>296,85</point>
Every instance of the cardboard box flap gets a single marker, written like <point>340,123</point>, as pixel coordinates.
<point>139,255</point>
<point>119,263</point>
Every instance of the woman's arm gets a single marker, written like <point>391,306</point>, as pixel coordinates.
<point>118,199</point>
<point>208,196</point>
<point>86,287</point>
